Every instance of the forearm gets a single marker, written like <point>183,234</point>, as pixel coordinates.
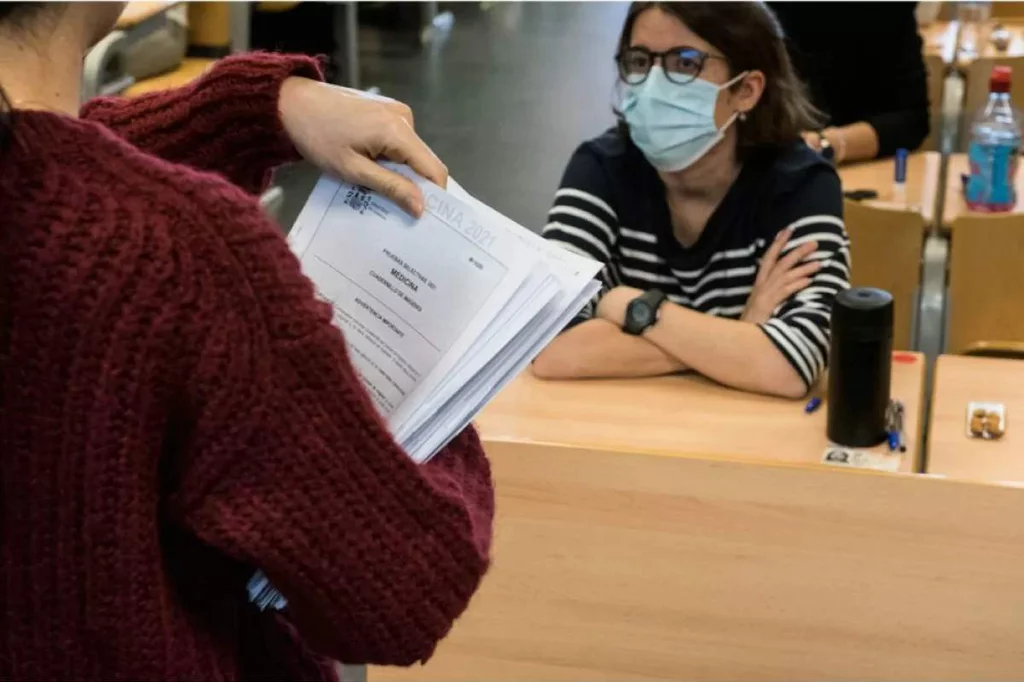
<point>226,122</point>
<point>854,142</point>
<point>599,349</point>
<point>731,352</point>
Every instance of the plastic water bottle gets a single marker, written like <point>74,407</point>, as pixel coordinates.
<point>995,148</point>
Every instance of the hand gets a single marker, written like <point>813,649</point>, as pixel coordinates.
<point>613,304</point>
<point>344,131</point>
<point>813,139</point>
<point>777,279</point>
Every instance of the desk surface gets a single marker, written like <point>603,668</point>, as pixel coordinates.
<point>137,12</point>
<point>954,204</point>
<point>958,381</point>
<point>984,49</point>
<point>923,179</point>
<point>686,416</point>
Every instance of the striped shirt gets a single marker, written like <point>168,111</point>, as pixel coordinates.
<point>611,206</point>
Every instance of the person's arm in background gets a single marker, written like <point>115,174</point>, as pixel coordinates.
<point>898,98</point>
<point>583,221</point>
<point>785,355</point>
<point>287,466</point>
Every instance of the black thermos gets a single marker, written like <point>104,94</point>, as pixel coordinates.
<point>860,365</point>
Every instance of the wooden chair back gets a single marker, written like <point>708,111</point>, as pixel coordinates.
<point>986,280</point>
<point>885,251</point>
<point>976,88</point>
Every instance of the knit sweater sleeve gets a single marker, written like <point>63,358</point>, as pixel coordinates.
<point>225,122</point>
<point>289,468</point>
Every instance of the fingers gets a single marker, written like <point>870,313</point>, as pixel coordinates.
<point>802,270</point>
<point>793,287</point>
<point>403,145</point>
<point>399,189</point>
<point>772,255</point>
<point>796,255</point>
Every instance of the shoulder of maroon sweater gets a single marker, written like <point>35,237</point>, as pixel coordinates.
<point>226,121</point>
<point>167,220</point>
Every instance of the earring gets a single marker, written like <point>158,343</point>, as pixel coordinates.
<point>743,116</point>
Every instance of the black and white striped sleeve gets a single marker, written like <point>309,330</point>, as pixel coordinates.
<point>584,221</point>
<point>800,328</point>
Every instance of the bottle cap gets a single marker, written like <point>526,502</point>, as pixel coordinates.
<point>1000,80</point>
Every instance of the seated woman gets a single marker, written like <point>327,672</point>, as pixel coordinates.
<point>876,99</point>
<point>720,230</point>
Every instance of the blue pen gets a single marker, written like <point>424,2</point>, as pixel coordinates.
<point>812,405</point>
<point>899,183</point>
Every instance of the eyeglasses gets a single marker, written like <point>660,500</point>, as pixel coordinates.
<point>681,64</point>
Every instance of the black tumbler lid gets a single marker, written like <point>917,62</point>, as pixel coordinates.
<point>864,312</point>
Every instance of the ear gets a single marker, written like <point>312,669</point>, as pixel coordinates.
<point>747,93</point>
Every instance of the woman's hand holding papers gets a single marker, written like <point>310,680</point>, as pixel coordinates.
<point>344,132</point>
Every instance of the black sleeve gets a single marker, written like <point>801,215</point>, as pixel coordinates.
<point>900,100</point>
<point>583,219</point>
<point>800,327</point>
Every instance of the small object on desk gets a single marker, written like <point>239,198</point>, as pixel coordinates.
<point>986,420</point>
<point>836,455</point>
<point>899,181</point>
<point>812,405</point>
<point>894,426</point>
<point>861,194</point>
<point>1000,37</point>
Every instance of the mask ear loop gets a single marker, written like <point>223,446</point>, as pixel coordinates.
<point>741,115</point>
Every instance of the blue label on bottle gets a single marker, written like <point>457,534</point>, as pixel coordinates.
<point>991,186</point>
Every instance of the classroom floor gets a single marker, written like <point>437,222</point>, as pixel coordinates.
<point>503,99</point>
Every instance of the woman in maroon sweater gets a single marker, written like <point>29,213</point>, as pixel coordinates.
<point>176,409</point>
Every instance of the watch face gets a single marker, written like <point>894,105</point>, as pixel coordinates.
<point>639,313</point>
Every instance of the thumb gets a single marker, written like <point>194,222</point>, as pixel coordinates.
<point>398,188</point>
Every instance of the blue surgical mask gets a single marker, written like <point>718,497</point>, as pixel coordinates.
<point>673,124</point>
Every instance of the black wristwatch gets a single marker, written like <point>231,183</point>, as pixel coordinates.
<point>642,312</point>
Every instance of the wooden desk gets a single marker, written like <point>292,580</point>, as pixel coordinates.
<point>984,47</point>
<point>616,566</point>
<point>954,203</point>
<point>958,381</point>
<point>137,12</point>
<point>685,416</point>
<point>923,180</point>
<point>190,69</point>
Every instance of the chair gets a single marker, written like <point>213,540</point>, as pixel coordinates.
<point>885,252</point>
<point>1007,10</point>
<point>986,278</point>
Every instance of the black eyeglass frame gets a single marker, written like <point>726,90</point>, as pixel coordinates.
<point>700,56</point>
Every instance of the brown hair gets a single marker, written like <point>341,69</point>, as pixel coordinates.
<point>751,38</point>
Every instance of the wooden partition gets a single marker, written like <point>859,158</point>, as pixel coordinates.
<point>619,566</point>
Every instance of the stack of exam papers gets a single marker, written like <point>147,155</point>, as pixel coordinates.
<point>439,313</point>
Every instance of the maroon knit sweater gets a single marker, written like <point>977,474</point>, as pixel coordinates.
<point>176,410</point>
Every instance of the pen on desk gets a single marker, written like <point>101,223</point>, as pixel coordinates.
<point>899,183</point>
<point>812,405</point>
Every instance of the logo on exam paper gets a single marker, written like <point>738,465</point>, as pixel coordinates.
<point>358,199</point>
